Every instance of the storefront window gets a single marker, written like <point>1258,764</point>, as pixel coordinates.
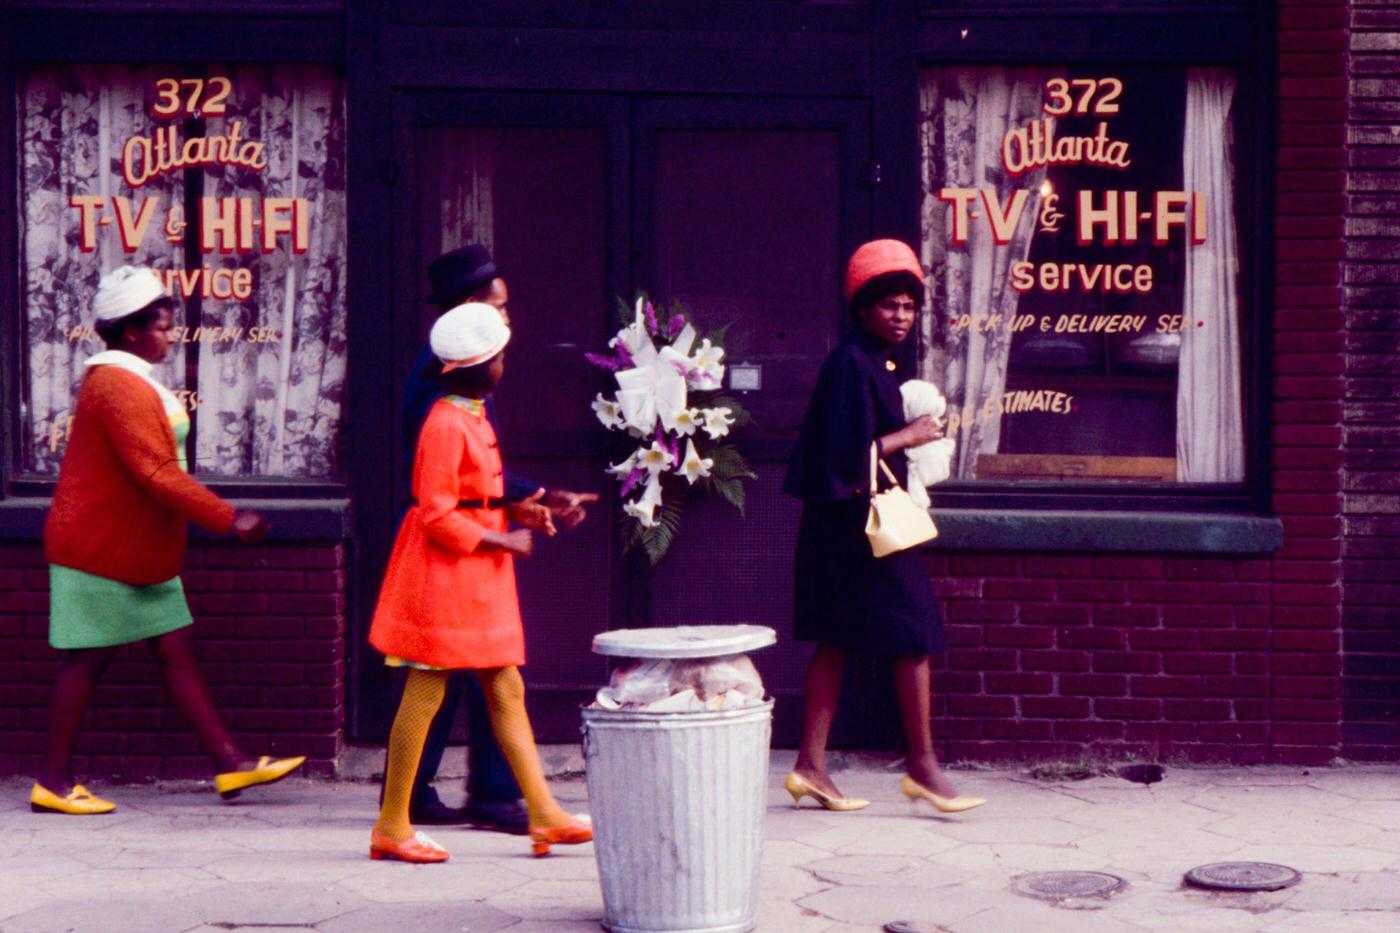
<point>1080,225</point>
<point>231,183</point>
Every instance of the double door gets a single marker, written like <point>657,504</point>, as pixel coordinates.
<point>742,209</point>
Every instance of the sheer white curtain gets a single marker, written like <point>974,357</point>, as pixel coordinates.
<point>273,407</point>
<point>74,121</point>
<point>1209,421</point>
<point>964,115</point>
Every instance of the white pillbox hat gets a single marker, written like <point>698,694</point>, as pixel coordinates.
<point>125,291</point>
<point>467,335</point>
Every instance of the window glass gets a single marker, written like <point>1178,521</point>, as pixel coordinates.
<point>1080,229</point>
<point>231,183</point>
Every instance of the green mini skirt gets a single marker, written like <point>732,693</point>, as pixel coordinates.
<point>88,611</point>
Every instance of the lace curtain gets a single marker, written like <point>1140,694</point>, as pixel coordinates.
<point>74,121</point>
<point>265,408</point>
<point>964,114</point>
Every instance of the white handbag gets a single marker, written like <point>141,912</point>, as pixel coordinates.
<point>895,522</point>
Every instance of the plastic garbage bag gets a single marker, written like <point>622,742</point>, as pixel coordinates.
<point>691,684</point>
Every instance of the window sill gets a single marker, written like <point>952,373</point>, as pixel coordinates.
<point>1173,532</point>
<point>291,519</point>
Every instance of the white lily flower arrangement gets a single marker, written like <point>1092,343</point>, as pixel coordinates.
<point>672,421</point>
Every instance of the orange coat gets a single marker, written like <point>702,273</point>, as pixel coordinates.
<point>446,600</point>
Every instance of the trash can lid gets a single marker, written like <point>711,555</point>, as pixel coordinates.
<point>684,641</point>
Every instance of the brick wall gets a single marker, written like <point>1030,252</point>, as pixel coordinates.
<point>1170,658</point>
<point>1371,426</point>
<point>269,631</point>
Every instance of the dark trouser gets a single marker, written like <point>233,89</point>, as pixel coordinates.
<point>488,773</point>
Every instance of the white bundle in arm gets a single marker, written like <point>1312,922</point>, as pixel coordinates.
<point>932,462</point>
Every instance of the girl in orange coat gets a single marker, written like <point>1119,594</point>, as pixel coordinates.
<point>449,601</point>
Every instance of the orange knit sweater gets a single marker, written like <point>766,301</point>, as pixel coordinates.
<point>122,501</point>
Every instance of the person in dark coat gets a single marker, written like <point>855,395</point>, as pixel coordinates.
<point>493,797</point>
<point>847,600</point>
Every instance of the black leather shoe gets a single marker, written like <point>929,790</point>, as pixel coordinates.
<point>502,816</point>
<point>437,813</point>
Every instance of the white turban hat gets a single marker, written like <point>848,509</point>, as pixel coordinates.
<point>125,291</point>
<point>468,335</point>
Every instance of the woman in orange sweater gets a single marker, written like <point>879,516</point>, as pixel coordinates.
<point>449,600</point>
<point>115,538</point>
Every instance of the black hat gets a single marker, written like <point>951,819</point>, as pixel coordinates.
<point>460,272</point>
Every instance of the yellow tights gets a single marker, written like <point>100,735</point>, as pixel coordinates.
<point>505,698</point>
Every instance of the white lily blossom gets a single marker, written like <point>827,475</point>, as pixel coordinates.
<point>643,510</point>
<point>717,422</point>
<point>687,422</point>
<point>655,459</point>
<point>609,412</point>
<point>624,469</point>
<point>693,466</point>
<point>706,367</point>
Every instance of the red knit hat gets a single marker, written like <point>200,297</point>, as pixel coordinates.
<point>879,257</point>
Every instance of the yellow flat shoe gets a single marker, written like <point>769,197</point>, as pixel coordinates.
<point>79,802</point>
<point>916,791</point>
<point>231,783</point>
<point>799,788</point>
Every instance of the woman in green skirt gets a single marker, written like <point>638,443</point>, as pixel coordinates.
<point>115,539</point>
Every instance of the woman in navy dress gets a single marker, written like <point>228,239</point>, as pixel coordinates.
<point>847,600</point>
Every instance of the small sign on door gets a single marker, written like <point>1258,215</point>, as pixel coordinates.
<point>745,377</point>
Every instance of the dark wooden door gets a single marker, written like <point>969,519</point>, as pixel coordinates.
<point>745,211</point>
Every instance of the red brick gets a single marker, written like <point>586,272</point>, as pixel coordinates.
<point>1019,590</point>
<point>1196,710</point>
<point>1088,731</point>
<point>1127,709</point>
<point>958,589</point>
<point>1235,685</point>
<point>985,565</point>
<point>1306,733</point>
<point>1197,663</point>
<point>1019,636</point>
<point>1165,686</point>
<point>982,705</point>
<point>1305,664</point>
<point>1018,729</point>
<point>1054,614</point>
<point>1306,640</point>
<point>1307,595</point>
<point>1234,640</point>
<point>983,660</point>
<point>1094,638</point>
<point>1156,591</point>
<point>1091,591</point>
<point>1076,661</point>
<point>1315,688</point>
<point>1055,707</point>
<point>1149,568</point>
<point>1234,593</point>
<point>1057,566</point>
<point>1164,640</point>
<point>1329,711</point>
<point>1015,684</point>
<point>1093,685</point>
<point>1132,616</point>
<point>982,610</point>
<point>1253,733</point>
<point>1199,616</point>
<point>1127,662</point>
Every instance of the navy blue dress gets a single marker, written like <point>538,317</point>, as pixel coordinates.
<point>845,597</point>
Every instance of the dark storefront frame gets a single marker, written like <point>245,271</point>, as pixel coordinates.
<point>864,52</point>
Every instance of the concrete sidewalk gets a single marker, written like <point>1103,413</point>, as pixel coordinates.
<point>174,858</point>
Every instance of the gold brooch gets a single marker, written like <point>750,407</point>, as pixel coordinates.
<point>889,364</point>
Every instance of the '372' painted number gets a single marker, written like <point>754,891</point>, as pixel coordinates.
<point>168,96</point>
<point>1062,101</point>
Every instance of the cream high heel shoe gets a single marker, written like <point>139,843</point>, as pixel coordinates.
<point>916,792</point>
<point>799,788</point>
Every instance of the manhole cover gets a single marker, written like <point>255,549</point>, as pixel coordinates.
<point>1058,885</point>
<point>1243,876</point>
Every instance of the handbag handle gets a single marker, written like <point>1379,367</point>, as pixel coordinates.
<point>874,477</point>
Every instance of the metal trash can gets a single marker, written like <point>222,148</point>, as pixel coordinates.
<point>678,798</point>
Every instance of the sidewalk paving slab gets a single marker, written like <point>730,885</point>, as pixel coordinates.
<point>294,856</point>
